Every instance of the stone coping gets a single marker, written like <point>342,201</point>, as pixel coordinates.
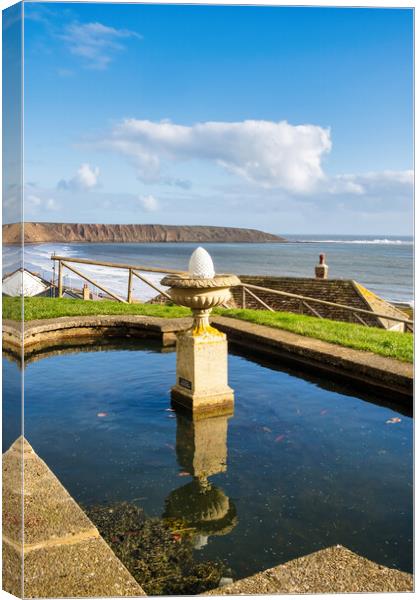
<point>332,570</point>
<point>62,552</point>
<point>47,331</point>
<point>386,375</point>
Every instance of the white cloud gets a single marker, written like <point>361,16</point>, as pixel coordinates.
<point>95,43</point>
<point>85,179</point>
<point>34,203</point>
<point>149,203</point>
<point>51,204</point>
<point>33,200</point>
<point>269,154</point>
<point>372,183</point>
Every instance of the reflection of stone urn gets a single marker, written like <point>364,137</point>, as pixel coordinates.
<point>201,351</point>
<point>201,290</point>
<point>203,507</point>
<point>201,450</point>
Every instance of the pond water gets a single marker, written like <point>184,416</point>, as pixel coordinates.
<point>297,468</point>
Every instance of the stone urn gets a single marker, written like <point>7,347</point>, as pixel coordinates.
<point>201,362</point>
<point>201,290</point>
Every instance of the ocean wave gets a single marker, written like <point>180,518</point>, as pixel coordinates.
<point>384,241</point>
<point>37,258</point>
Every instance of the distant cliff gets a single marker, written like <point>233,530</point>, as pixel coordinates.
<point>81,232</point>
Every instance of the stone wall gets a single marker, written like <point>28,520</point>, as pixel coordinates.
<point>340,291</point>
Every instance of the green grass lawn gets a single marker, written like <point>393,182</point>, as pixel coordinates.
<point>380,341</point>
<point>49,308</point>
<point>386,343</point>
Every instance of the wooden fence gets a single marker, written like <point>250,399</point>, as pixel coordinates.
<point>134,270</point>
<point>307,302</point>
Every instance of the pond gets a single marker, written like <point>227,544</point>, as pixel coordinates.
<point>299,466</point>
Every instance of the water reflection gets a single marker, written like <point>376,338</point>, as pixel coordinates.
<point>322,468</point>
<point>201,449</point>
<point>76,345</point>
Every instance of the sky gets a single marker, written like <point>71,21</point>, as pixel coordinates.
<point>289,120</point>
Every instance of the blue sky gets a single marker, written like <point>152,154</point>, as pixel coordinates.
<point>284,119</point>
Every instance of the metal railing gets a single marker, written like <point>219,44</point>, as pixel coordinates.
<point>134,270</point>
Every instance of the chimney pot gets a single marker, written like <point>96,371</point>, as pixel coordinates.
<point>321,270</point>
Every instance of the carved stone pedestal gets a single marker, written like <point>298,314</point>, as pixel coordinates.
<point>202,375</point>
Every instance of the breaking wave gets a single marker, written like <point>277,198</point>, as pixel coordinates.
<point>376,241</point>
<point>37,258</point>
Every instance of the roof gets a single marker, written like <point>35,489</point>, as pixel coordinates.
<point>24,282</point>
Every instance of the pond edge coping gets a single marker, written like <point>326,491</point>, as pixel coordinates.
<point>363,368</point>
<point>59,552</point>
<point>328,571</point>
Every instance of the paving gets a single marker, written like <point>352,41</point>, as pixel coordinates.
<point>62,552</point>
<point>332,570</point>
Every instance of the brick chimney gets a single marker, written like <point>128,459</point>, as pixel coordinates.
<point>86,293</point>
<point>321,270</point>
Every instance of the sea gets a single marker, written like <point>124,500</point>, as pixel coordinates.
<point>382,264</point>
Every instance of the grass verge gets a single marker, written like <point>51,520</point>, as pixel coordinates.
<point>50,308</point>
<point>390,344</point>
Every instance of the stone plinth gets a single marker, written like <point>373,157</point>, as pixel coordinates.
<point>202,375</point>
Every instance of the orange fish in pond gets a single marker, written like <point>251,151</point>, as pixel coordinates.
<point>279,438</point>
<point>183,474</point>
<point>102,414</point>
<point>394,420</point>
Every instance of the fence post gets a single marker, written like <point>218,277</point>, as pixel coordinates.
<point>243,297</point>
<point>60,279</point>
<point>130,283</point>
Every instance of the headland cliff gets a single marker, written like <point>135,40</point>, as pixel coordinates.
<point>102,233</point>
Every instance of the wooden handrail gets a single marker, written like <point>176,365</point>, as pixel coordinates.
<point>102,263</point>
<point>93,282</point>
<point>152,285</point>
<point>327,303</point>
<point>258,299</point>
<point>62,260</point>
